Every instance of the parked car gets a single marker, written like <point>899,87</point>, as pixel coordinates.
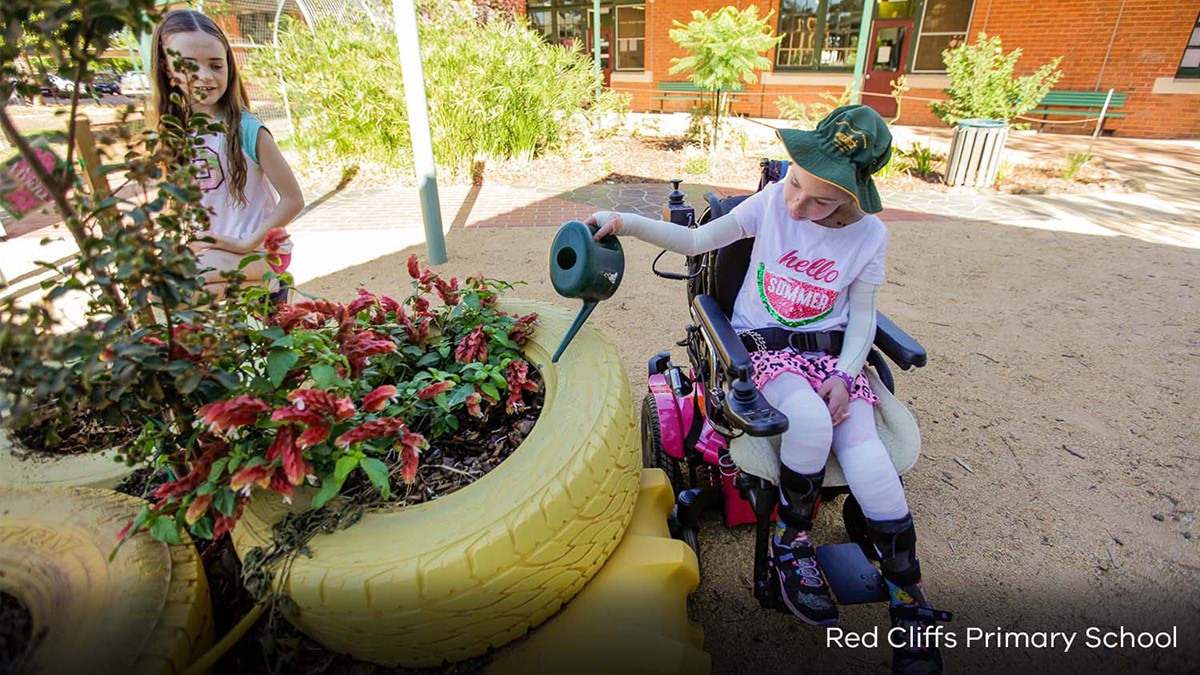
<point>61,86</point>
<point>135,83</point>
<point>106,87</point>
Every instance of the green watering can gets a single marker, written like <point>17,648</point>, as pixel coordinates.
<point>581,267</point>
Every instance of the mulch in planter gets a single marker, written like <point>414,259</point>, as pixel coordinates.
<point>80,436</point>
<point>16,632</point>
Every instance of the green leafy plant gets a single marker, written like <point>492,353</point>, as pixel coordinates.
<point>984,85</point>
<point>920,158</point>
<point>153,343</point>
<point>334,390</point>
<point>807,115</point>
<point>697,164</point>
<point>896,165</point>
<point>495,89</point>
<point>724,50</point>
<point>1075,162</point>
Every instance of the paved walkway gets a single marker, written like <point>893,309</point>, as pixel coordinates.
<point>357,225</point>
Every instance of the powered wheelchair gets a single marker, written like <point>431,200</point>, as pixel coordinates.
<point>706,425</point>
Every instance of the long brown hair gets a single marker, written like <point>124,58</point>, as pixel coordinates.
<point>232,103</point>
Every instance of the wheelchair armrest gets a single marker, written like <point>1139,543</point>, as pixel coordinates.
<point>745,406</point>
<point>899,346</point>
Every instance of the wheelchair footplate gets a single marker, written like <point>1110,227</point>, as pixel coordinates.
<point>853,579</point>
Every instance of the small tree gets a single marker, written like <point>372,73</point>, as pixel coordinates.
<point>983,83</point>
<point>153,344</point>
<point>723,50</point>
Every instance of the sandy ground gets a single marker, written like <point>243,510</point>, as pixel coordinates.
<point>1062,369</point>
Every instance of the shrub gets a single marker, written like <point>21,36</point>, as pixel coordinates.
<point>1075,162</point>
<point>920,159</point>
<point>153,343</point>
<point>495,89</point>
<point>983,83</point>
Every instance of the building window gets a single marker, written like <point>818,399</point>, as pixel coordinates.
<point>944,25</point>
<point>818,34</point>
<point>1189,65</point>
<point>631,37</point>
<point>569,23</point>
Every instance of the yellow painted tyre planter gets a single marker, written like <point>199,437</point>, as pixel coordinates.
<point>447,580</point>
<point>631,619</point>
<point>145,613</point>
<point>97,470</point>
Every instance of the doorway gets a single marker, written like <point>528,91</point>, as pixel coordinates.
<point>887,60</point>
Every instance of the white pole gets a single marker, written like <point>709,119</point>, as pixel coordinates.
<point>413,73</point>
<point>287,108</point>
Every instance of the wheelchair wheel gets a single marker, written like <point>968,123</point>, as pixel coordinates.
<point>692,539</point>
<point>856,527</point>
<point>654,456</point>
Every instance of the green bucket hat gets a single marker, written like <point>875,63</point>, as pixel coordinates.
<point>849,145</point>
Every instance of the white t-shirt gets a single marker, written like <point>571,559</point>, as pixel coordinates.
<point>227,217</point>
<point>799,270</point>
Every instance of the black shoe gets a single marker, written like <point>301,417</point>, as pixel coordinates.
<point>919,654</point>
<point>801,584</point>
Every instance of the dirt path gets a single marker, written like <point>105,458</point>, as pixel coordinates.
<point>1062,368</point>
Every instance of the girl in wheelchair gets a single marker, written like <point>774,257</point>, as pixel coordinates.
<point>807,313</point>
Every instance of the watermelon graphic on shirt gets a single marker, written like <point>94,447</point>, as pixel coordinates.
<point>791,301</point>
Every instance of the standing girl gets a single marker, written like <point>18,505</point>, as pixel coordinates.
<point>248,187</point>
<point>816,267</point>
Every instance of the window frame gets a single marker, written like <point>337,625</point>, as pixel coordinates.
<point>615,48</point>
<point>920,33</point>
<point>553,7</point>
<point>1189,72</point>
<point>822,11</point>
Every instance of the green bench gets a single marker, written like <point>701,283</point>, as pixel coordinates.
<point>685,91</point>
<point>1081,103</point>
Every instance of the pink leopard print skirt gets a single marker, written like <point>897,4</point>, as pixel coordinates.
<point>769,365</point>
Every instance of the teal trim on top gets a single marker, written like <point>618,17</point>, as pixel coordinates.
<point>250,126</point>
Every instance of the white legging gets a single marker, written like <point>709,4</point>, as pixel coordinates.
<point>804,448</point>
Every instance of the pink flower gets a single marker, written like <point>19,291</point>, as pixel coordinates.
<point>242,480</point>
<point>434,389</point>
<point>518,382</point>
<point>473,407</point>
<point>414,267</point>
<point>322,402</point>
<point>522,328</point>
<point>364,300</point>
<point>223,523</point>
<point>410,451</point>
<point>447,291</point>
<point>198,508</point>
<point>473,347</point>
<point>235,412</point>
<point>153,341</point>
<point>281,484</point>
<point>290,451</point>
<point>380,428</point>
<point>363,345</point>
<point>275,240</point>
<point>378,399</point>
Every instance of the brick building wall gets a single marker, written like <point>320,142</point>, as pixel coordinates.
<point>1148,44</point>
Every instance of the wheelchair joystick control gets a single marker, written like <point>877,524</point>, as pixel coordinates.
<point>677,210</point>
<point>583,268</point>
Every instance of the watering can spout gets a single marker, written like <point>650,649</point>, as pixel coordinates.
<point>581,317</point>
<point>583,268</point>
